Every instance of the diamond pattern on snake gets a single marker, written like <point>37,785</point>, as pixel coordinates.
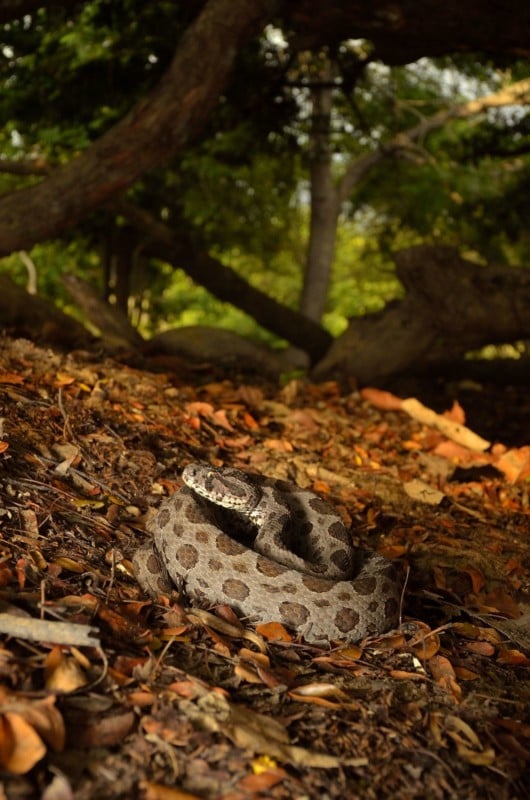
<point>270,550</point>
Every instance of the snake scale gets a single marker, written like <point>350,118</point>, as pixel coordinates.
<point>271,550</point>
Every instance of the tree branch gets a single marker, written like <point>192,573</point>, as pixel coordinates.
<point>517,93</point>
<point>226,284</point>
<point>157,126</point>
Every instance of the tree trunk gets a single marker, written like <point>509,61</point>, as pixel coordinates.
<point>451,306</point>
<point>325,207</point>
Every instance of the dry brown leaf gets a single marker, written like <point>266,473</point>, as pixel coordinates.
<point>246,672</point>
<point>220,419</point>
<point>62,673</point>
<point>459,454</point>
<point>279,445</point>
<point>444,675</point>
<point>319,694</point>
<point>262,781</point>
<point>425,644</point>
<point>470,631</point>
<point>423,493</point>
<point>59,788</point>
<point>515,464</point>
<point>386,401</point>
<point>468,745</point>
<point>257,732</point>
<point>484,649</point>
<point>104,731</point>
<point>11,378</point>
<point>157,791</point>
<point>465,674</point>
<point>509,656</point>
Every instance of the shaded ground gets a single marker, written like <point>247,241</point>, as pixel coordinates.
<point>165,704</point>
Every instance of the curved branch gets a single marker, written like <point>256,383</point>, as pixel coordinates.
<point>517,93</point>
<point>226,284</point>
<point>157,126</point>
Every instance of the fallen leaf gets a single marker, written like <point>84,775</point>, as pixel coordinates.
<point>62,673</point>
<point>20,745</point>
<point>444,675</point>
<point>515,464</point>
<point>262,781</point>
<point>158,791</point>
<point>386,401</point>
<point>59,788</point>
<point>468,745</point>
<point>421,491</point>
<point>274,631</point>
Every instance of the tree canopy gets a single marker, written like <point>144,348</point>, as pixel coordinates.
<point>262,148</point>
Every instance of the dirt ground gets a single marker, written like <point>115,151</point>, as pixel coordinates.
<point>107,694</point>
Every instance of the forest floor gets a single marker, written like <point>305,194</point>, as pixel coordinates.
<point>106,694</point>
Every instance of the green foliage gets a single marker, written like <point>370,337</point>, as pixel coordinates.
<point>51,259</point>
<point>68,74</point>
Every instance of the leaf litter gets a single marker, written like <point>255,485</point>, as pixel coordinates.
<point>104,693</point>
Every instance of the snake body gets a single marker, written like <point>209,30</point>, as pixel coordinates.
<point>271,550</point>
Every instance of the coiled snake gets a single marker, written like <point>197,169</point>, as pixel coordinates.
<point>271,550</point>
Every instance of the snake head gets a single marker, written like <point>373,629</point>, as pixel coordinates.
<point>224,486</point>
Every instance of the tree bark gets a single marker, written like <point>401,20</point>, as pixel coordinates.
<point>115,328</point>
<point>226,284</point>
<point>401,34</point>
<point>29,315</point>
<point>451,306</point>
<point>158,125</point>
<point>325,206</point>
<point>327,197</point>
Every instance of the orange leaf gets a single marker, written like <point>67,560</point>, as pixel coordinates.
<point>444,675</point>
<point>274,631</point>
<point>249,421</point>
<point>481,648</point>
<point>380,399</point>
<point>157,791</point>
<point>477,579</point>
<point>507,656</point>
<point>403,675</point>
<point>456,413</point>
<point>280,445</point>
<point>459,454</point>
<point>200,408</point>
<point>10,377</point>
<point>499,601</point>
<point>20,746</point>
<point>262,781</point>
<point>466,674</point>
<point>63,380</point>
<point>515,464</point>
<point>219,418</point>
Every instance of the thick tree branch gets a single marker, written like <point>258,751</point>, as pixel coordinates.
<point>157,126</point>
<point>29,166</point>
<point>226,284</point>
<point>451,306</point>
